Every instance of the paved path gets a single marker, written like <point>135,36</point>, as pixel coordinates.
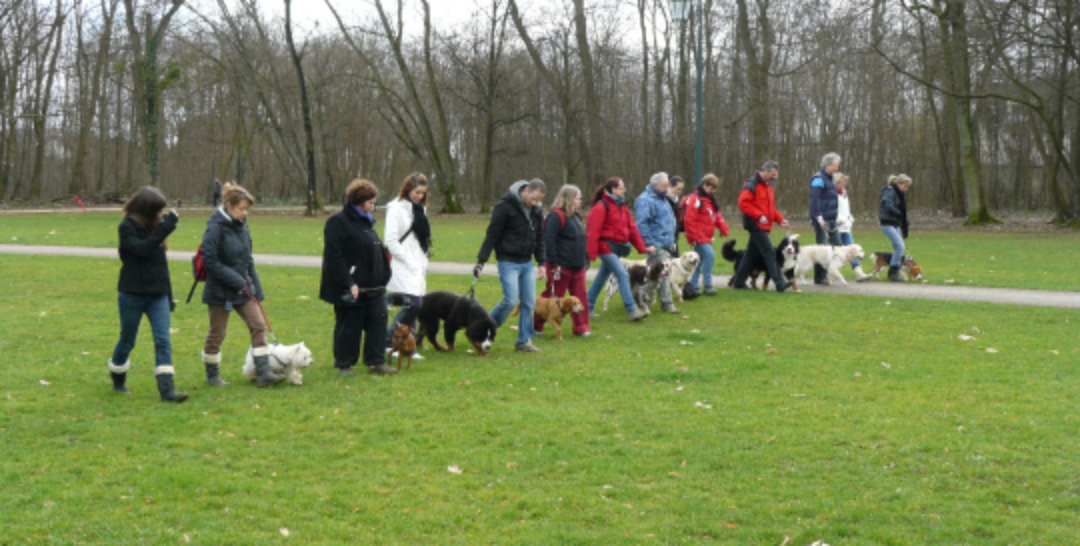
<point>1042,298</point>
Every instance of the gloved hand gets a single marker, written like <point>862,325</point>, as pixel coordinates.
<point>169,220</point>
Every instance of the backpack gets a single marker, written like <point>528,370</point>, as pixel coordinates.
<point>198,271</point>
<point>561,215</point>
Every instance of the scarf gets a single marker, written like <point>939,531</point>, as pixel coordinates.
<point>613,198</point>
<point>421,228</point>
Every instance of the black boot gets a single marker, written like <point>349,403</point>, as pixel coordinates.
<point>119,376</point>
<point>894,273</point>
<point>264,377</point>
<point>165,386</point>
<point>213,374</point>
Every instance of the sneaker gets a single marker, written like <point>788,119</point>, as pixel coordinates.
<point>594,314</point>
<point>394,354</point>
<point>417,356</point>
<point>709,291</point>
<point>673,310</point>
<point>637,314</point>
<point>740,287</point>
<point>381,369</point>
<point>346,371</point>
<point>526,347</point>
<point>783,287</point>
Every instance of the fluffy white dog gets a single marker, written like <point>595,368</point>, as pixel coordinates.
<point>285,360</point>
<point>832,258</point>
<point>682,269</point>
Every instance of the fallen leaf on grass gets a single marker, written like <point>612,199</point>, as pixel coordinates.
<point>187,539</point>
<point>174,330</point>
<point>303,297</point>
<point>53,232</point>
<point>888,303</point>
<point>454,469</point>
<point>679,388</point>
<point>965,337</point>
<point>513,327</point>
<point>728,525</point>
<point>1054,352</point>
<point>511,464</point>
<point>465,382</point>
<point>382,491</point>
<point>44,383</point>
<point>695,331</point>
<point>772,351</point>
<point>950,281</point>
<point>683,368</point>
<point>798,395</point>
<point>284,531</point>
<point>49,504</point>
<point>702,405</point>
<point>85,352</point>
<point>991,350</point>
<point>608,337</point>
<point>885,365</point>
<point>857,374</point>
<point>684,342</point>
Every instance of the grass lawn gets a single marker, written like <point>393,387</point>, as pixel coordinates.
<point>754,417</point>
<point>1004,260</point>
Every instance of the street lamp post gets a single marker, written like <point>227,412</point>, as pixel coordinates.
<point>681,12</point>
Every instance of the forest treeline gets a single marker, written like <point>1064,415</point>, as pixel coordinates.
<point>977,100</point>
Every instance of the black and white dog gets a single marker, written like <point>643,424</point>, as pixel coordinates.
<point>787,257</point>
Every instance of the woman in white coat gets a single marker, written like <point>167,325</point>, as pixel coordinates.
<point>408,237</point>
<point>844,221</point>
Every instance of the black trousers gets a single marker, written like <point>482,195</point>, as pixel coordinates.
<point>759,245</point>
<point>821,237</point>
<point>366,318</point>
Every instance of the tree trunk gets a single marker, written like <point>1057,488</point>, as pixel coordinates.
<point>33,191</point>
<point>305,105</point>
<point>758,61</point>
<point>594,162</point>
<point>79,177</point>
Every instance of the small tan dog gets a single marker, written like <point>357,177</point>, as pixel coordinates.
<point>552,310</point>
<point>404,343</point>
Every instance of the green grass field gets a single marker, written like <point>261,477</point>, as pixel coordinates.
<point>752,418</point>
<point>1004,260</point>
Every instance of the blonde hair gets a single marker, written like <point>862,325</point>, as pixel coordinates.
<point>900,179</point>
<point>233,194</point>
<point>565,198</point>
<point>839,176</point>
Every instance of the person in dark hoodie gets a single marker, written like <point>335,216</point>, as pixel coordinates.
<point>233,285</point>
<point>145,289</point>
<point>824,205</point>
<point>892,215</point>
<point>355,272</point>
<point>568,261</point>
<point>516,233</point>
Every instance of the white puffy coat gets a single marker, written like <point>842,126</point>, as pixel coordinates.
<point>409,266</point>
<point>844,219</point>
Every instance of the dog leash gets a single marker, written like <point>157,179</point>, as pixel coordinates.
<point>273,338</point>
<point>471,292</point>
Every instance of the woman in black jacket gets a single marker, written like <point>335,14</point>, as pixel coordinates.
<point>355,271</point>
<point>892,215</point>
<point>568,261</point>
<point>232,284</point>
<point>145,289</point>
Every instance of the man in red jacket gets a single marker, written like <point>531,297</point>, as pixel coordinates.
<point>758,205</point>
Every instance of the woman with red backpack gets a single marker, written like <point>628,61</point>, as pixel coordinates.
<point>701,220</point>
<point>611,234</point>
<point>568,261</point>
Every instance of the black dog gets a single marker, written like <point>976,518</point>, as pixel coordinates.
<point>457,312</point>
<point>787,255</point>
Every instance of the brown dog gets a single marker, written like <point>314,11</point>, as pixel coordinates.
<point>552,310</point>
<point>907,264</point>
<point>405,344</point>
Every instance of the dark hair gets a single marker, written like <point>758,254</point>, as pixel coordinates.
<point>537,185</point>
<point>770,165</point>
<point>611,184</point>
<point>411,183</point>
<point>145,206</point>
<point>675,180</point>
<point>361,191</point>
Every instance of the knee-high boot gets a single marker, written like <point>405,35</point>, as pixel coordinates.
<point>263,376</point>
<point>165,385</point>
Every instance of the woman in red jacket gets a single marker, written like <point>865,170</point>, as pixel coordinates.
<point>701,218</point>
<point>610,231</point>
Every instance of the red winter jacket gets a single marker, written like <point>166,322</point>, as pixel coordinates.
<point>610,221</point>
<point>701,220</point>
<point>757,200</point>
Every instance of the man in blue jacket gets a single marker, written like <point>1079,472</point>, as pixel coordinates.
<point>824,205</point>
<point>656,223</point>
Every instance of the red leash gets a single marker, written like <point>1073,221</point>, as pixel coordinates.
<point>265,318</point>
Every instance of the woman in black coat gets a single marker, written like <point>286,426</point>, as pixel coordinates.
<point>145,289</point>
<point>233,285</point>
<point>355,271</point>
<point>892,216</point>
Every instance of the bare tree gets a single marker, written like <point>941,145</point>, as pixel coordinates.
<point>313,203</point>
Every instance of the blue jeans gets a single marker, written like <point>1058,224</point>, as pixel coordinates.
<point>518,285</point>
<point>897,240</point>
<point>610,265</point>
<point>708,258</point>
<point>847,240</point>
<point>132,309</point>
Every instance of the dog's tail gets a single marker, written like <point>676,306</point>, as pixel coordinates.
<point>517,309</point>
<point>395,300</point>
<point>728,251</point>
